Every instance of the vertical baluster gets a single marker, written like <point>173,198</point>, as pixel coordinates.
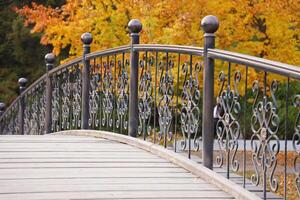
<point>166,82</point>
<point>2,124</point>
<point>189,131</point>
<point>245,124</point>
<point>49,59</point>
<point>135,28</point>
<point>285,134</point>
<point>176,106</point>
<point>115,93</point>
<point>22,84</point>
<point>154,104</point>
<point>210,25</point>
<point>2,108</point>
<point>227,135</point>
<point>264,168</point>
<point>86,39</point>
<point>101,92</point>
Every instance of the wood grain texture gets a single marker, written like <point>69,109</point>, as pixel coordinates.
<point>75,167</point>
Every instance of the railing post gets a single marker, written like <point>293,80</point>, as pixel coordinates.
<point>210,25</point>
<point>49,59</point>
<point>2,108</point>
<point>86,39</point>
<point>135,28</point>
<point>22,84</point>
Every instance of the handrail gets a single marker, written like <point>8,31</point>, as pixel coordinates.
<point>64,66</point>
<point>21,95</point>
<point>169,48</point>
<point>256,62</point>
<point>115,50</point>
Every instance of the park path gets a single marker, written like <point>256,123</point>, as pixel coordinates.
<point>78,167</point>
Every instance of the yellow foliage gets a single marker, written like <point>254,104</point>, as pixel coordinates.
<point>269,28</point>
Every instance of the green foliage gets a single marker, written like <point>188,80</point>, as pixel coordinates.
<point>21,54</point>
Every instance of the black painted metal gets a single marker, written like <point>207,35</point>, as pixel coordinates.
<point>162,95</point>
<point>135,28</point>
<point>255,62</point>
<point>50,59</point>
<point>210,25</point>
<point>2,108</point>
<point>86,39</point>
<point>22,84</point>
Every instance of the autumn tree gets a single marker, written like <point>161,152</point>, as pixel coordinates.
<point>250,26</point>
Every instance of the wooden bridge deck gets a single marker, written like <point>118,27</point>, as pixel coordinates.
<point>76,167</point>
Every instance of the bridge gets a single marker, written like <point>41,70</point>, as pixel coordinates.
<point>150,121</point>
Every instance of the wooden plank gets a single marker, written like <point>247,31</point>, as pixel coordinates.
<point>85,164</point>
<point>80,168</point>
<point>13,189</point>
<point>118,195</point>
<point>91,175</point>
<point>107,180</point>
<point>81,160</point>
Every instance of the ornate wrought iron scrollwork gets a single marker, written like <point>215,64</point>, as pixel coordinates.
<point>66,93</point>
<point>227,126</point>
<point>10,121</point>
<point>264,140</point>
<point>145,96</point>
<point>296,144</point>
<point>122,95</point>
<point>94,97</point>
<point>190,111</point>
<point>76,96</point>
<point>166,90</point>
<point>34,113</point>
<point>107,101</point>
<point>55,103</point>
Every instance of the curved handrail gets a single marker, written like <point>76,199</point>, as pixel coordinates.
<point>21,95</point>
<point>106,52</point>
<point>65,65</point>
<point>256,62</point>
<point>62,67</point>
<point>169,48</point>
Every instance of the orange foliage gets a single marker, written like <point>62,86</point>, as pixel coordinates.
<point>269,28</point>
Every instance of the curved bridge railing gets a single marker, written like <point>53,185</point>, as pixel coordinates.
<point>240,111</point>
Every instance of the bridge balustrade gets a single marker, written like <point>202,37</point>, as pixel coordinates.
<point>167,94</point>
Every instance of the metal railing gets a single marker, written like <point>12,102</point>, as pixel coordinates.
<point>167,94</point>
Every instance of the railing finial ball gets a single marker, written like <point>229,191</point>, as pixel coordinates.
<point>22,82</point>
<point>2,106</point>
<point>87,38</point>
<point>210,24</point>
<point>135,26</point>
<point>50,58</point>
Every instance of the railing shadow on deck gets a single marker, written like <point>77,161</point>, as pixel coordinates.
<point>181,97</point>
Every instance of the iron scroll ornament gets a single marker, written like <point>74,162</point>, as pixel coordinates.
<point>296,144</point>
<point>145,96</point>
<point>166,90</point>
<point>228,127</point>
<point>76,96</point>
<point>122,95</point>
<point>264,140</point>
<point>108,97</point>
<point>34,113</point>
<point>55,102</point>
<point>190,111</point>
<point>66,91</point>
<point>94,97</point>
